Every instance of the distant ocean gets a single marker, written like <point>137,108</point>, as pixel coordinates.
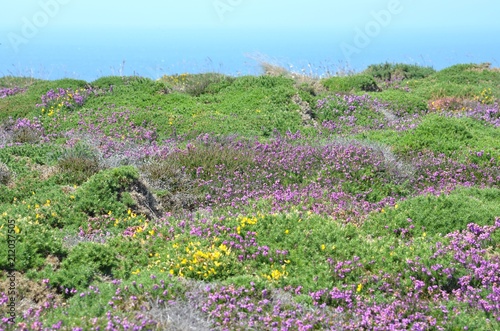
<point>90,54</point>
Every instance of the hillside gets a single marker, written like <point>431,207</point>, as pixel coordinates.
<point>274,202</point>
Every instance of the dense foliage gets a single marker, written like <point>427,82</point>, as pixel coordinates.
<point>208,202</point>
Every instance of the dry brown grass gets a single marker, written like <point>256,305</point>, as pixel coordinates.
<point>486,66</point>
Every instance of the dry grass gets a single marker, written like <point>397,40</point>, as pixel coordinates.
<point>486,66</point>
<point>183,314</point>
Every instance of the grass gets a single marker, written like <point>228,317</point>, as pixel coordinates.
<point>281,201</point>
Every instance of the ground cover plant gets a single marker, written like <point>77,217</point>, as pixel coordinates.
<point>276,202</point>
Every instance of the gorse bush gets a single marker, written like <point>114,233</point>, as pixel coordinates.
<point>90,260</point>
<point>34,244</point>
<point>107,191</point>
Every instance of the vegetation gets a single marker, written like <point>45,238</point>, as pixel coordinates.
<point>208,202</point>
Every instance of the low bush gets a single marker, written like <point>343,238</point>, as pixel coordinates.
<point>354,83</point>
<point>198,84</point>
<point>441,214</point>
<point>79,163</point>
<point>106,192</point>
<point>402,103</point>
<point>455,137</point>
<point>391,71</point>
<point>83,264</point>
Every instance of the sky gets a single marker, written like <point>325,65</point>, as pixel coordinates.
<point>230,14</point>
<point>351,30</point>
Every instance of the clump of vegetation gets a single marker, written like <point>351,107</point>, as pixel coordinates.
<point>78,163</point>
<point>83,264</point>
<point>253,202</point>
<point>439,214</point>
<point>198,84</point>
<point>397,71</point>
<point>353,83</point>
<point>107,191</point>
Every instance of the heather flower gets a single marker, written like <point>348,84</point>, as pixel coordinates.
<point>9,91</point>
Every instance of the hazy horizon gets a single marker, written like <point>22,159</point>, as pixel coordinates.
<point>65,38</point>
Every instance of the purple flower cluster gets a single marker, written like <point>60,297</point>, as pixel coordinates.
<point>67,97</point>
<point>289,171</point>
<point>22,130</point>
<point>480,286</point>
<point>349,113</point>
<point>8,91</point>
<point>461,269</point>
<point>116,135</point>
<point>24,123</point>
<point>55,100</point>
<point>490,113</point>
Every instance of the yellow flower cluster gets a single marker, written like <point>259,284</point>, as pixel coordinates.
<point>276,274</point>
<point>486,97</point>
<point>61,102</point>
<point>193,260</point>
<point>178,80</point>
<point>244,221</point>
<point>43,212</point>
<point>35,215</point>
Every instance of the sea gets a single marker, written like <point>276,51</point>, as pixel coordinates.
<point>91,53</point>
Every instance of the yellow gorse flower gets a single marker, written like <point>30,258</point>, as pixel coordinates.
<point>359,288</point>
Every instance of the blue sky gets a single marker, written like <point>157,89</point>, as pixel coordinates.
<point>356,31</point>
<point>230,14</point>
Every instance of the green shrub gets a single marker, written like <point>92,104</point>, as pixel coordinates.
<point>467,74</point>
<point>401,102</point>
<point>34,243</point>
<point>146,85</point>
<point>442,134</point>
<point>465,81</point>
<point>355,83</point>
<point>389,71</point>
<point>106,192</point>
<point>456,137</point>
<point>83,263</point>
<point>268,82</point>
<point>438,214</point>
<point>107,81</point>
<point>198,84</point>
<point>79,163</point>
